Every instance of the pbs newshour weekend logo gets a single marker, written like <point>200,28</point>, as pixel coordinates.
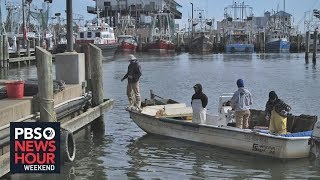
<point>35,147</point>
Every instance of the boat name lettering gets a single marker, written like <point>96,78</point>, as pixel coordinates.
<point>253,138</point>
<point>263,148</point>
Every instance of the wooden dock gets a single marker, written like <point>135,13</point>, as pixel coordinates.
<point>72,120</point>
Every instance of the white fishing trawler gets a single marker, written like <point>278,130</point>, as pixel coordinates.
<point>99,33</point>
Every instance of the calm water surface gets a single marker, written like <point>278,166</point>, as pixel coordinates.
<point>119,149</point>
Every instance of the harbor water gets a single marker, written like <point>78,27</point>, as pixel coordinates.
<point>119,149</point>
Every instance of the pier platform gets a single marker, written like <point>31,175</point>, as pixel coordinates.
<point>27,108</point>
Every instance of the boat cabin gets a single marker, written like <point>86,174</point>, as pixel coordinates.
<point>126,38</point>
<point>97,34</point>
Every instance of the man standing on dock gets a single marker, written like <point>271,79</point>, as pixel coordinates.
<point>133,75</point>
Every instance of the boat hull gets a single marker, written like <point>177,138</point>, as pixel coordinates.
<point>279,46</point>
<point>127,47</point>
<point>227,137</point>
<point>201,45</point>
<point>160,46</point>
<point>239,48</point>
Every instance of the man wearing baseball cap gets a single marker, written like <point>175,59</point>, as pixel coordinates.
<point>133,76</point>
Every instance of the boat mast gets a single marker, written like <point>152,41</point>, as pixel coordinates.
<point>1,28</point>
<point>23,24</point>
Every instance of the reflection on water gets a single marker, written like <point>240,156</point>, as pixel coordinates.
<point>238,57</point>
<point>120,149</point>
<point>183,159</point>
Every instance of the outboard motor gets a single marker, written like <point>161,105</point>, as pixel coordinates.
<point>315,140</point>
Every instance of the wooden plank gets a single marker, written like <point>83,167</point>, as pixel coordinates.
<point>4,164</point>
<point>86,118</point>
<point>31,58</point>
<point>73,125</point>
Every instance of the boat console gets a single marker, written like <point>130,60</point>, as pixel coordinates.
<point>225,110</point>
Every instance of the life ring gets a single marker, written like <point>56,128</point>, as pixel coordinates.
<point>67,146</point>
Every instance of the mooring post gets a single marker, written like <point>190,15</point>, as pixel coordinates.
<point>1,51</point>
<point>34,43</point>
<point>298,42</point>
<point>5,52</point>
<point>18,48</point>
<point>28,51</point>
<point>264,42</point>
<point>37,41</point>
<point>45,83</point>
<point>96,75</point>
<point>140,42</point>
<point>86,52</point>
<point>307,46</point>
<point>28,48</point>
<point>315,41</point>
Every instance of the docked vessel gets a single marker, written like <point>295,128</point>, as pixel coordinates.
<point>127,43</point>
<point>202,35</point>
<point>126,34</point>
<point>161,33</point>
<point>100,34</point>
<point>238,28</point>
<point>278,33</point>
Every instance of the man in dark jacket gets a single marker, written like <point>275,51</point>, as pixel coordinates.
<point>133,76</point>
<point>199,102</point>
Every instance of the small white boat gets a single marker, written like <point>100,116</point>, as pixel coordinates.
<point>173,119</point>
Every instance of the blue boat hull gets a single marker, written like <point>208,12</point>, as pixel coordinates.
<point>279,46</point>
<point>242,48</point>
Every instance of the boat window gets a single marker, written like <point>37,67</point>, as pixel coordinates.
<point>89,34</point>
<point>97,34</point>
<point>81,35</point>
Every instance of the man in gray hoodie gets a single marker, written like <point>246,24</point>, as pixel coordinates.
<point>240,103</point>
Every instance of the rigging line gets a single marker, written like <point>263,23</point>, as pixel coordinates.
<point>312,7</point>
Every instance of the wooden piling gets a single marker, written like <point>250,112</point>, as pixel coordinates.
<point>1,51</point>
<point>37,41</point>
<point>96,75</point>
<point>315,41</point>
<point>5,52</point>
<point>140,42</point>
<point>86,52</point>
<point>45,83</point>
<point>18,48</point>
<point>299,42</point>
<point>28,48</point>
<point>33,43</point>
<point>307,45</point>
<point>264,42</point>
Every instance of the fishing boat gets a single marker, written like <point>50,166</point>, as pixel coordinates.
<point>99,33</point>
<point>278,33</point>
<point>202,34</point>
<point>127,43</point>
<point>126,34</point>
<point>238,28</point>
<point>161,33</point>
<point>170,118</point>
